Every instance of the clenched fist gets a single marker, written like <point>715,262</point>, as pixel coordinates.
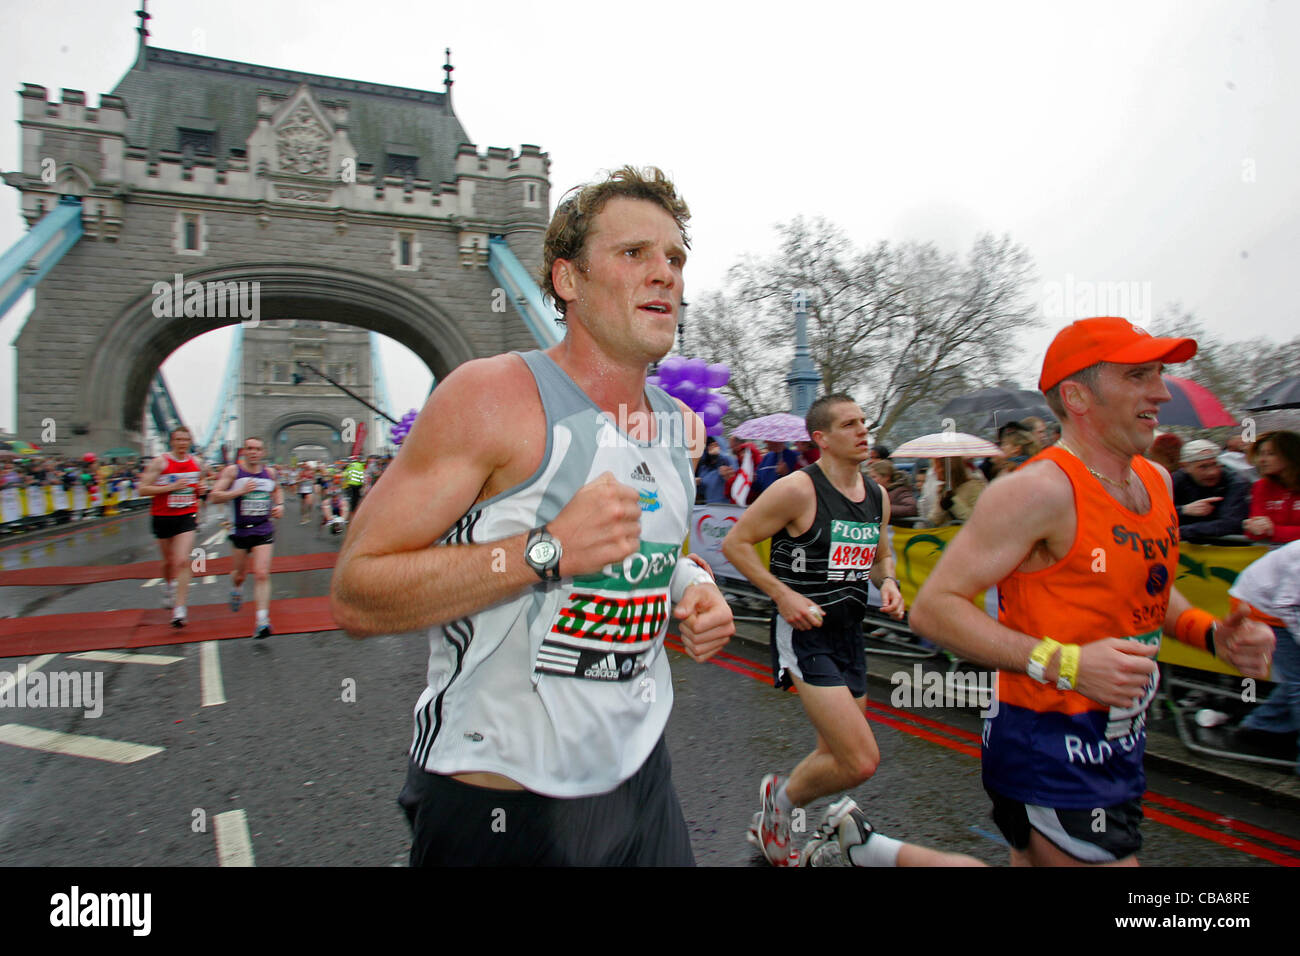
<point>1246,644</point>
<point>600,526</point>
<point>1115,671</point>
<point>704,621</point>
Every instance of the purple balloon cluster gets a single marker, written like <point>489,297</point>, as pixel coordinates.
<point>691,380</point>
<point>398,432</point>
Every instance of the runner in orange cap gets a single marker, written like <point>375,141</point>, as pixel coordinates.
<point>1082,544</point>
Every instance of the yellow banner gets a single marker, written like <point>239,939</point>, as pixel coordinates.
<point>1205,572</point>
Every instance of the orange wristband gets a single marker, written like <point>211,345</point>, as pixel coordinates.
<point>1193,627</point>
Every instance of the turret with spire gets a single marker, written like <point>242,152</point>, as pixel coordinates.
<point>447,80</point>
<point>141,60</point>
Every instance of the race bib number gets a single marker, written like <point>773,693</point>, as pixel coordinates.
<point>853,548</point>
<point>182,499</point>
<point>1126,721</point>
<point>608,623</point>
<point>612,618</point>
<point>256,504</point>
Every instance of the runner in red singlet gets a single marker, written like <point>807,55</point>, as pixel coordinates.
<point>173,480</point>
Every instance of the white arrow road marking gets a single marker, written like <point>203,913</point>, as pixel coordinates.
<point>234,845</point>
<point>117,657</point>
<point>212,690</point>
<point>75,745</point>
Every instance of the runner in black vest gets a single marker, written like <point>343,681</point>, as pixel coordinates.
<point>825,523</point>
<point>259,500</point>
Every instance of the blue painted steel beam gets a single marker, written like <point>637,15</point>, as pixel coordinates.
<point>224,410</point>
<point>35,254</point>
<point>524,293</point>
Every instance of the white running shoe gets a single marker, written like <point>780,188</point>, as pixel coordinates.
<point>844,828</point>
<point>770,831</point>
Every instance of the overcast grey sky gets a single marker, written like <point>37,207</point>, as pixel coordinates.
<point>1154,143</point>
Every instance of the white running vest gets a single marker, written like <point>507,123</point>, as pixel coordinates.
<point>565,688</point>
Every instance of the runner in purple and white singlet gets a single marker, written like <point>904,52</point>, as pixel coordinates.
<point>258,502</point>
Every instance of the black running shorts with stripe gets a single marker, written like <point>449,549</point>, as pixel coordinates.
<point>1099,835</point>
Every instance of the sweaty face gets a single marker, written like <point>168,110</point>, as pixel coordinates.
<point>253,452</point>
<point>846,439</point>
<point>1126,405</point>
<point>626,291</point>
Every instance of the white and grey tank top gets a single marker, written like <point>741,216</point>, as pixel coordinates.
<point>565,688</point>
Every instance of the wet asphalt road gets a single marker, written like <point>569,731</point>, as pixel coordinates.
<point>316,774</point>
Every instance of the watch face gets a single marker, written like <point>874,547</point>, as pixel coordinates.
<point>542,552</point>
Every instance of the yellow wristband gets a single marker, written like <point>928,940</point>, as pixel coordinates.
<point>1069,672</point>
<point>1040,657</point>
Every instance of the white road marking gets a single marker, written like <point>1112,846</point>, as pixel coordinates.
<point>234,845</point>
<point>210,579</point>
<point>19,675</point>
<point>212,691</point>
<point>75,745</point>
<point>117,657</point>
<point>215,538</point>
<point>152,582</point>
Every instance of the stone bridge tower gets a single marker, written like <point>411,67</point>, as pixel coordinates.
<point>298,196</point>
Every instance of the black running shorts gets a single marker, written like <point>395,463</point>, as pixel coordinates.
<point>247,542</point>
<point>821,656</point>
<point>169,526</point>
<point>1099,835</point>
<point>639,823</point>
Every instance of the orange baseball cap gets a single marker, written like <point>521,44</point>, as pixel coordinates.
<point>1107,339</point>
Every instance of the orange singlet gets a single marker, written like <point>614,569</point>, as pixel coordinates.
<point>1056,748</point>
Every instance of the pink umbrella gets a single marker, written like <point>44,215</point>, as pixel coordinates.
<point>779,427</point>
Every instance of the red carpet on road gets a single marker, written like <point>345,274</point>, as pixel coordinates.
<point>151,627</point>
<point>96,573</point>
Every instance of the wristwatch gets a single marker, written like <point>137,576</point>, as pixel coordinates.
<point>543,553</point>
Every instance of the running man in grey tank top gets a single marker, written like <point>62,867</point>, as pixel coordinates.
<point>531,529</point>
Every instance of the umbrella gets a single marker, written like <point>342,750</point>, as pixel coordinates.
<point>1000,417</point>
<point>946,445</point>
<point>995,399</point>
<point>1283,394</point>
<point>1193,405</point>
<point>779,427</point>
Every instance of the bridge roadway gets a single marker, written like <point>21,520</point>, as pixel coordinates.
<point>253,752</point>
